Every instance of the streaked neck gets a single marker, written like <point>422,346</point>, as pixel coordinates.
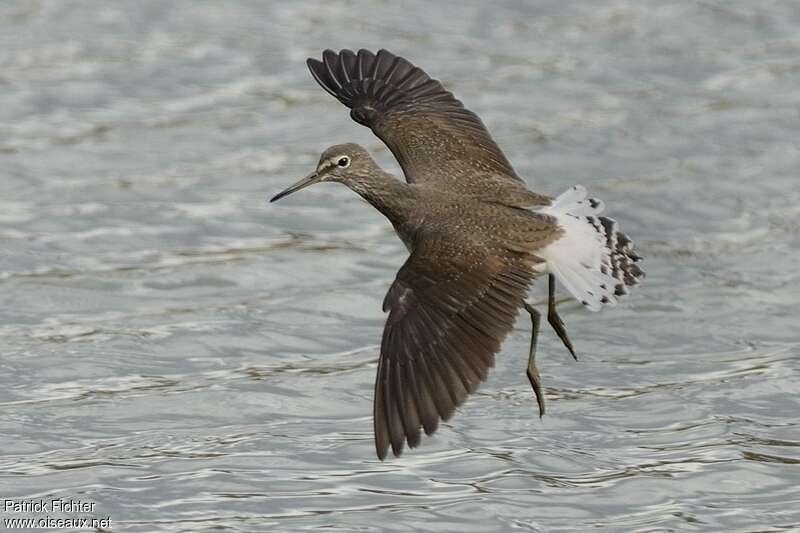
<point>389,195</point>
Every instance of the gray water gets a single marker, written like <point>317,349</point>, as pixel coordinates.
<point>187,357</point>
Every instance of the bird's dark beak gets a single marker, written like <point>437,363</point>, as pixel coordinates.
<point>303,183</point>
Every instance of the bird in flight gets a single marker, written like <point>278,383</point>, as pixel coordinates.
<point>476,236</point>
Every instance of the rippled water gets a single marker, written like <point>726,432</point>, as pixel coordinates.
<point>190,358</point>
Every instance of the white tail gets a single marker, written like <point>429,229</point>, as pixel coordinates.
<point>592,259</point>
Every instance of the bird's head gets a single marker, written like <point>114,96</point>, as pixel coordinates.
<point>346,163</point>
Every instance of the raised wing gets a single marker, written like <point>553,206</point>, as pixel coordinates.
<point>434,138</point>
<point>449,311</point>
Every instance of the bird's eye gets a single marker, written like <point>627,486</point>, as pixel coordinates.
<point>343,162</point>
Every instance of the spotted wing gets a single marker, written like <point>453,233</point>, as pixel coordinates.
<point>449,311</point>
<point>434,138</point>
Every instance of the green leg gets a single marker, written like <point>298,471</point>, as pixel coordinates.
<point>533,372</point>
<point>554,319</point>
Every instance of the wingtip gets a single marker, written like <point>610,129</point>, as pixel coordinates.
<point>381,453</point>
<point>397,448</point>
<point>321,75</point>
<point>382,450</point>
<point>315,66</point>
<point>385,52</point>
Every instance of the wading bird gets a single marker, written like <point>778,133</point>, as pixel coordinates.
<point>477,238</point>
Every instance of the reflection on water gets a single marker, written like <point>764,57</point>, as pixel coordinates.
<point>191,358</point>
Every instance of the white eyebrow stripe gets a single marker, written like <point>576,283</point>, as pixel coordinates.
<point>332,162</point>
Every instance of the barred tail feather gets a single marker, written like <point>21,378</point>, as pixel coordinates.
<point>593,260</point>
